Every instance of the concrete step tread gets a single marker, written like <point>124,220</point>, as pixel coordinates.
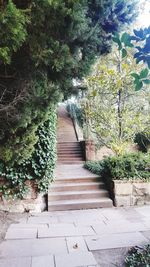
<point>70,162</point>
<point>81,201</point>
<point>70,156</point>
<point>78,192</point>
<point>71,151</point>
<point>76,184</point>
<point>69,142</point>
<point>77,179</point>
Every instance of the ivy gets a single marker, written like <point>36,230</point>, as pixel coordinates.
<point>38,168</point>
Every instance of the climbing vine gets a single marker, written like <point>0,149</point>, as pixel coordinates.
<point>38,168</point>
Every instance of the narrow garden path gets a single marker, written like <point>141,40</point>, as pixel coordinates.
<point>74,187</point>
<point>81,238</point>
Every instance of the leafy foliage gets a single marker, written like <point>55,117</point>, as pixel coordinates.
<point>144,50</point>
<point>127,167</point>
<point>123,43</point>
<point>114,111</point>
<point>13,33</point>
<point>138,257</point>
<point>143,37</point>
<point>43,46</point>
<point>39,167</point>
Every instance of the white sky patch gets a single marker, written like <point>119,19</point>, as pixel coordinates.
<point>143,19</point>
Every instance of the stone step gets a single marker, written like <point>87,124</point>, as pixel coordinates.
<point>74,186</point>
<point>68,143</point>
<point>69,151</point>
<point>77,180</point>
<point>68,158</point>
<point>80,204</point>
<point>69,147</point>
<point>71,162</point>
<point>89,194</point>
<point>68,155</point>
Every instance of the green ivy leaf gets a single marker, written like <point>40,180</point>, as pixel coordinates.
<point>146,81</point>
<point>124,37</point>
<point>117,40</point>
<point>138,86</point>
<point>135,75</point>
<point>124,52</point>
<point>144,73</point>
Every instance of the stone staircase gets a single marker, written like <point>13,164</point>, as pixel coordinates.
<point>74,186</point>
<point>69,153</point>
<point>69,150</point>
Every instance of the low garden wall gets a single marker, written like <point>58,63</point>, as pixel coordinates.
<point>131,193</point>
<point>32,202</point>
<point>119,175</point>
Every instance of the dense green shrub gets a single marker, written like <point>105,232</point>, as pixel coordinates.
<point>39,167</point>
<point>126,167</point>
<point>138,257</point>
<point>143,141</point>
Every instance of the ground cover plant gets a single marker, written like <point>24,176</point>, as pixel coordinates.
<point>138,257</point>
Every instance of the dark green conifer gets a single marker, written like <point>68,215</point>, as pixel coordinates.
<point>43,46</point>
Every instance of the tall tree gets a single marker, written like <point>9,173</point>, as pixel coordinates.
<point>115,111</point>
<point>43,46</point>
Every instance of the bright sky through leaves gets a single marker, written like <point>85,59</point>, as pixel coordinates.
<point>143,19</point>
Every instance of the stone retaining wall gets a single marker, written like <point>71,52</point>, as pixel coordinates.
<point>131,193</point>
<point>32,202</point>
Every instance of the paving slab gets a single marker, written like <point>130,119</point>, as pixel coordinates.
<point>76,244</point>
<point>24,233</point>
<point>132,215</point>
<point>32,247</point>
<point>19,262</point>
<point>111,257</point>
<point>45,261</point>
<point>113,213</point>
<point>27,225</point>
<point>146,234</point>
<point>66,218</point>
<point>61,231</point>
<point>143,211</point>
<point>119,227</point>
<point>115,241</point>
<point>42,219</point>
<point>75,259</point>
<point>59,225</point>
<point>146,222</point>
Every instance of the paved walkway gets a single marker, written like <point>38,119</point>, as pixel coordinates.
<point>74,238</point>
